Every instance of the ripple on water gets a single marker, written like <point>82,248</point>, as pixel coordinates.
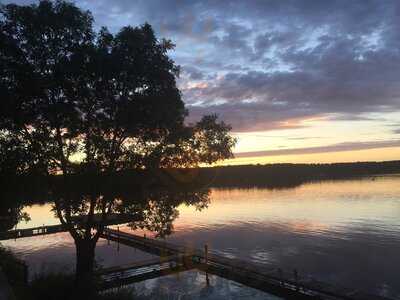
<point>338,231</point>
<point>262,256</point>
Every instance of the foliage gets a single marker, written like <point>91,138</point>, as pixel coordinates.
<point>15,271</point>
<point>37,47</point>
<point>76,101</point>
<point>60,286</point>
<point>10,209</point>
<point>51,286</point>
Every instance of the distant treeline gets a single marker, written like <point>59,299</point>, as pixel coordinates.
<point>270,176</point>
<point>287,175</point>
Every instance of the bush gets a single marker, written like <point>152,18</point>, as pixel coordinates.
<point>48,286</point>
<point>53,286</point>
<point>15,271</point>
<point>60,286</point>
<point>120,294</point>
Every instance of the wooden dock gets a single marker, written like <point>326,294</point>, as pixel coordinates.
<point>127,274</point>
<point>113,219</point>
<point>288,285</point>
<point>175,258</point>
<point>29,232</point>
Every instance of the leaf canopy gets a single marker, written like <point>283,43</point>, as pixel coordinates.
<point>76,100</point>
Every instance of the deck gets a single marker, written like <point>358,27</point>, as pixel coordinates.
<point>273,280</point>
<point>174,258</point>
<point>112,219</point>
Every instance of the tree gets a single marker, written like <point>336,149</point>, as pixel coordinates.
<point>153,209</point>
<point>76,101</point>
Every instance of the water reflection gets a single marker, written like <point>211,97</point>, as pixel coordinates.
<point>85,212</point>
<point>343,232</point>
<point>192,285</point>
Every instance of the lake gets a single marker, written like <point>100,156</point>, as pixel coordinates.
<point>344,232</point>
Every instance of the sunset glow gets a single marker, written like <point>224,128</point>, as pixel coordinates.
<point>280,82</point>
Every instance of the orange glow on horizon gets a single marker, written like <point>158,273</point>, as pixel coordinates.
<point>380,154</point>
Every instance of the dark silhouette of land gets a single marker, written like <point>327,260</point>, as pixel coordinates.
<point>287,175</point>
<point>266,176</point>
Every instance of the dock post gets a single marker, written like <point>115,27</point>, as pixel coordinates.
<point>118,239</point>
<point>296,278</point>
<point>26,273</point>
<point>206,260</point>
<point>281,277</point>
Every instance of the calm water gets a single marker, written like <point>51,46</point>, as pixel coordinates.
<point>343,232</point>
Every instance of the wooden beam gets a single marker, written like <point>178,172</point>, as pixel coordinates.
<point>267,279</point>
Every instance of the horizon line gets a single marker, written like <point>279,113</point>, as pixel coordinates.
<point>339,147</point>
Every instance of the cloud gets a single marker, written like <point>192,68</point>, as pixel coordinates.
<point>193,73</point>
<point>394,128</point>
<point>348,89</point>
<point>349,146</point>
<point>265,65</point>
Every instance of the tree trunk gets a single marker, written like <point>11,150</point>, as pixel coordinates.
<point>85,254</point>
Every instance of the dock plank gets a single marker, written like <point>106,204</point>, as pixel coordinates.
<point>266,278</point>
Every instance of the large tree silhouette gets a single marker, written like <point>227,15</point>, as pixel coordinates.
<point>77,101</point>
<point>153,209</point>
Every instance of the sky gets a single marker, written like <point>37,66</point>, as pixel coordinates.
<point>298,80</point>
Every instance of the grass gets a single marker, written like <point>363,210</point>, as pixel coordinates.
<point>50,286</point>
<point>15,271</point>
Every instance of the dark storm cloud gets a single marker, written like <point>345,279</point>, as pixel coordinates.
<point>270,64</point>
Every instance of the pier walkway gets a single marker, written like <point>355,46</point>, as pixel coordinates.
<point>288,285</point>
<point>175,258</point>
<point>127,274</point>
<point>112,219</point>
